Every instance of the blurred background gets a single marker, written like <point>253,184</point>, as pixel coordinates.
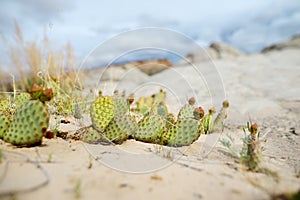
<point>246,25</point>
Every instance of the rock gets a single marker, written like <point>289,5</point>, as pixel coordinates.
<point>151,67</point>
<point>202,56</point>
<point>118,73</point>
<point>112,74</point>
<point>293,43</point>
<point>225,51</point>
<point>215,51</point>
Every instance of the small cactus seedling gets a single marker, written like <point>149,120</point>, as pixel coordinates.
<point>29,124</point>
<point>207,121</point>
<point>184,132</point>
<point>251,151</point>
<point>120,128</point>
<point>150,129</point>
<point>4,123</point>
<point>222,115</point>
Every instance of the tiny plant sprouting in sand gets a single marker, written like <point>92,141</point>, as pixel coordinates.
<point>164,151</point>
<point>77,189</point>
<point>0,156</point>
<point>250,155</point>
<point>49,160</point>
<point>90,165</point>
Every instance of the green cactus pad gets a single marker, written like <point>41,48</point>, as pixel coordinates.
<point>150,129</point>
<point>160,109</point>
<point>22,98</point>
<point>105,108</point>
<point>4,123</point>
<point>187,111</point>
<point>102,112</point>
<point>159,97</point>
<point>4,104</point>
<point>121,105</point>
<point>120,128</point>
<point>183,132</point>
<point>144,105</point>
<point>207,121</point>
<point>29,124</point>
<point>91,135</point>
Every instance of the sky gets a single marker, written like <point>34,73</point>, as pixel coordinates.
<point>87,24</point>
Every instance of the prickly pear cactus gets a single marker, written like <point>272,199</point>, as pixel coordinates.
<point>144,105</point>
<point>4,104</point>
<point>207,121</point>
<point>21,99</point>
<point>187,111</point>
<point>160,109</point>
<point>120,128</point>
<point>222,115</point>
<point>121,105</point>
<point>102,112</point>
<point>4,123</point>
<point>147,105</point>
<point>150,129</point>
<point>105,108</point>
<point>91,135</point>
<point>29,124</point>
<point>184,132</point>
<point>159,97</point>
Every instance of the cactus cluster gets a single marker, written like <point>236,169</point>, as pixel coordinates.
<point>149,121</point>
<point>30,120</point>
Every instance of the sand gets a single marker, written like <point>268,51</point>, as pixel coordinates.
<point>263,87</point>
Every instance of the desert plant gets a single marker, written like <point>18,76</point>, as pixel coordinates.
<point>250,154</point>
<point>38,62</point>
<point>31,120</point>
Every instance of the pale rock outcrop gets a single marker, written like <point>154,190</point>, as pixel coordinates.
<point>216,50</point>
<point>293,43</point>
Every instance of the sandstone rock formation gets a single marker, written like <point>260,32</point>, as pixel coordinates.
<point>293,43</point>
<point>215,51</point>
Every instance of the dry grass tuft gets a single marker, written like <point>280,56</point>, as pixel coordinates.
<point>37,62</point>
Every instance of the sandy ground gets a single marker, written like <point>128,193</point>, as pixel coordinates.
<point>264,87</point>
